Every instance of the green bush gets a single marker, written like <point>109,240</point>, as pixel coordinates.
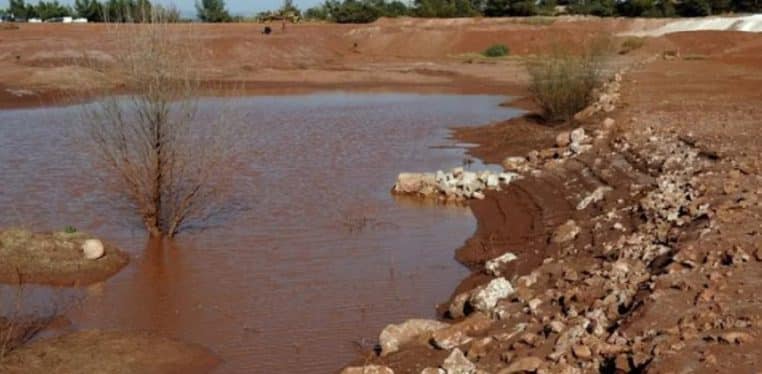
<point>562,83</point>
<point>69,229</point>
<point>497,50</point>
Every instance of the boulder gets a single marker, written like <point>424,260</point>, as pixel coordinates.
<point>457,363</point>
<point>393,336</point>
<point>486,297</point>
<point>565,233</point>
<point>414,182</point>
<point>93,249</point>
<point>367,369</point>
<point>577,136</point>
<point>494,265</point>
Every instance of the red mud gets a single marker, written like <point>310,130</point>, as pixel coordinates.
<point>709,95</point>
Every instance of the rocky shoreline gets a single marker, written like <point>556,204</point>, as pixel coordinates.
<point>631,240</point>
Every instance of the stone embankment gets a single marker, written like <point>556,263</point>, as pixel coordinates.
<point>629,285</point>
<point>455,185</point>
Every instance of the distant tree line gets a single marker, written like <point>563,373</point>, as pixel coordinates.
<point>95,11</point>
<point>361,11</point>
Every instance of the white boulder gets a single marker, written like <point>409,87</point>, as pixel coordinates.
<point>485,298</point>
<point>367,369</point>
<point>93,249</point>
<point>493,266</point>
<point>395,335</point>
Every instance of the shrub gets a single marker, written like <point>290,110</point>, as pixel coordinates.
<point>562,83</point>
<point>69,229</point>
<point>497,50</point>
<point>150,145</point>
<point>630,44</point>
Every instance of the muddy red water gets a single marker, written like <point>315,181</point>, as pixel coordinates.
<point>318,261</point>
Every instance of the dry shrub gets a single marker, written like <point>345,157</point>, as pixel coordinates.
<point>8,26</point>
<point>156,154</point>
<point>630,44</point>
<point>563,81</point>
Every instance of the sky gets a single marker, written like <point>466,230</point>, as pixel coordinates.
<point>235,6</point>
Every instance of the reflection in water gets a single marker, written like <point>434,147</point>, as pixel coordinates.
<point>323,258</point>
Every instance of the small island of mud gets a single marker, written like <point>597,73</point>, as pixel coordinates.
<point>54,259</point>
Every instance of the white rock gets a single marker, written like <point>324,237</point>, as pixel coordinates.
<point>578,136</point>
<point>493,181</point>
<point>457,363</point>
<point>507,178</point>
<point>608,123</point>
<point>433,371</point>
<point>493,266</point>
<point>534,304</point>
<point>594,197</point>
<point>478,195</point>
<point>414,182</point>
<point>393,336</point>
<point>578,148</point>
<point>514,163</point>
<point>485,298</point>
<point>93,249</point>
<point>468,178</point>
<point>367,369</point>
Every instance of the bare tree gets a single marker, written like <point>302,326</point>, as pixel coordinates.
<point>157,154</point>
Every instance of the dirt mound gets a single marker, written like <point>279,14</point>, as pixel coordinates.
<point>54,259</point>
<point>109,352</point>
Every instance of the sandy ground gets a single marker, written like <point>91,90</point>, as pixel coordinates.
<point>43,63</point>
<point>661,276</point>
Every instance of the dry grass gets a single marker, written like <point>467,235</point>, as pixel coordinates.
<point>534,20</point>
<point>17,328</point>
<point>563,81</point>
<point>108,352</point>
<point>8,26</point>
<point>52,258</point>
<point>630,44</point>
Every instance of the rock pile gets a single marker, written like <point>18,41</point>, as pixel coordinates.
<point>608,97</point>
<point>457,184</point>
<point>632,285</point>
<point>569,144</point>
